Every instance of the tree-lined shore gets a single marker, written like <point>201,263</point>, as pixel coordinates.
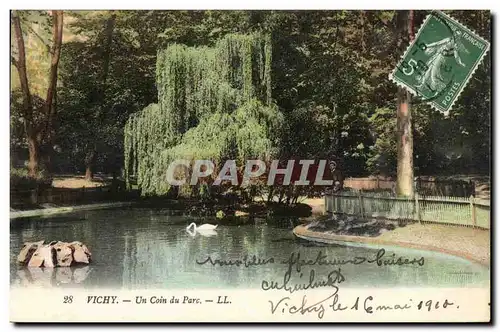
<point>313,85</point>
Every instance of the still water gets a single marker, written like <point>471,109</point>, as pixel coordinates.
<point>136,248</point>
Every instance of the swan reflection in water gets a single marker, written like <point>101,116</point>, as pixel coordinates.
<point>206,230</point>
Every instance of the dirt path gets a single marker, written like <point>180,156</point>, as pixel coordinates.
<point>76,181</point>
<point>470,243</point>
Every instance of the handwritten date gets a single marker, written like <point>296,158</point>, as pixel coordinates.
<point>367,304</point>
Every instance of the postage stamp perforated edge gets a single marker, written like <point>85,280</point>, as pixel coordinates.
<point>404,85</point>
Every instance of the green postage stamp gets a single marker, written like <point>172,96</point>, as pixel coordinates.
<point>439,62</point>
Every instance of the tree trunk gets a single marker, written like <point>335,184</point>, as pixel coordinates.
<point>270,194</point>
<point>281,195</point>
<point>49,108</point>
<point>404,184</point>
<point>38,134</point>
<point>89,165</point>
<point>57,30</point>
<point>89,174</point>
<point>20,64</point>
<point>34,156</point>
<point>110,25</point>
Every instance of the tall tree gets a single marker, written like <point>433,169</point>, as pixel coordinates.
<point>99,93</point>
<point>222,92</point>
<point>404,184</point>
<point>38,129</point>
<point>106,73</point>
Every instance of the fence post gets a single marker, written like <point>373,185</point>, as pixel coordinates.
<point>417,208</point>
<point>472,210</point>
<point>328,204</point>
<point>334,204</point>
<point>34,196</point>
<point>362,208</point>
<point>49,193</point>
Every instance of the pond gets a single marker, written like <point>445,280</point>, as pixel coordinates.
<point>137,248</point>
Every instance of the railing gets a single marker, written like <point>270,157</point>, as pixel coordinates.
<point>430,187</point>
<point>471,212</point>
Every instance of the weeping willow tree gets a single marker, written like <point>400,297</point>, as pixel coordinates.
<point>213,103</point>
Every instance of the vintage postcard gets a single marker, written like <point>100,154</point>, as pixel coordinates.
<point>250,166</point>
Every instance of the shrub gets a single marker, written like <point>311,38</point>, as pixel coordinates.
<point>20,180</point>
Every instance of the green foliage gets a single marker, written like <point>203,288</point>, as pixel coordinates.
<point>17,137</point>
<point>195,81</point>
<point>247,133</point>
<point>327,74</point>
<point>213,103</point>
<point>324,72</point>
<point>96,97</point>
<point>37,31</point>
<point>383,157</point>
<point>220,214</point>
<point>20,180</point>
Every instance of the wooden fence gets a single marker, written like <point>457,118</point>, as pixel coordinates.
<point>425,186</point>
<point>462,211</point>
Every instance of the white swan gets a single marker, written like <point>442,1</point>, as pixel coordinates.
<point>204,227</point>
<point>206,233</point>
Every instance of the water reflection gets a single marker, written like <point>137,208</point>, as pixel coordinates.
<point>143,248</point>
<point>49,277</point>
<point>205,233</point>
